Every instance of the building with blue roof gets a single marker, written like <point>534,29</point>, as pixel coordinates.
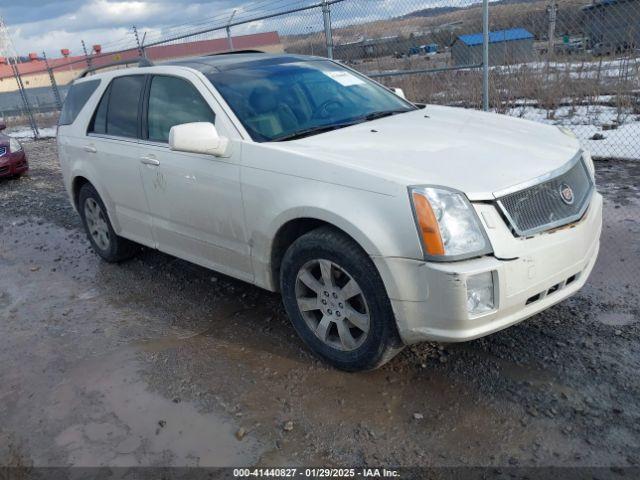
<point>514,45</point>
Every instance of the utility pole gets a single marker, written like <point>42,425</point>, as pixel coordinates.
<point>140,45</point>
<point>8,51</point>
<point>86,55</point>
<point>552,10</point>
<point>228,28</point>
<point>485,55</point>
<point>328,34</point>
<point>54,84</point>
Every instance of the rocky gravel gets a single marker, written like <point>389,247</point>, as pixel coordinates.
<point>158,362</point>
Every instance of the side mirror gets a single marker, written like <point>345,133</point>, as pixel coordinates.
<point>198,137</point>
<point>2,125</point>
<point>399,92</point>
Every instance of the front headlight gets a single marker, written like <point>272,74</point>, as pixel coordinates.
<point>447,223</point>
<point>14,145</point>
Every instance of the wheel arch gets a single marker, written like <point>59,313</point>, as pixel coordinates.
<point>76,184</point>
<point>294,227</point>
<point>79,179</point>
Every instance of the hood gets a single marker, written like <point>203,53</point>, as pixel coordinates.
<point>475,152</point>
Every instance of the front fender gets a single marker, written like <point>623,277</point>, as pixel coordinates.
<point>381,224</point>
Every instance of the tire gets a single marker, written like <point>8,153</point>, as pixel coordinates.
<point>351,332</point>
<point>106,243</point>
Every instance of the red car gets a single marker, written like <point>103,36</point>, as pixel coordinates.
<point>13,160</point>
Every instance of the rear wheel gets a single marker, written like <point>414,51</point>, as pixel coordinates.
<point>104,240</point>
<point>337,302</point>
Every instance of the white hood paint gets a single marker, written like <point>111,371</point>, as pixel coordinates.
<point>475,152</point>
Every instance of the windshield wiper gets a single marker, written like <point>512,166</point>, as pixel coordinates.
<point>382,113</point>
<point>313,131</point>
<point>327,128</point>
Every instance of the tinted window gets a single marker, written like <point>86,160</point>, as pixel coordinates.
<point>99,121</point>
<point>122,113</point>
<point>78,95</point>
<point>173,101</point>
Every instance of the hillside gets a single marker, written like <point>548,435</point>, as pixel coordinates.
<point>447,22</point>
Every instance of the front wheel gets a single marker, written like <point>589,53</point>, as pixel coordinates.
<point>337,302</point>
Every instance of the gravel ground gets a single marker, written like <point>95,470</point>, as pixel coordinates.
<point>159,362</point>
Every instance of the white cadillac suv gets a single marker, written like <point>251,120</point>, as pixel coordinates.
<point>382,223</point>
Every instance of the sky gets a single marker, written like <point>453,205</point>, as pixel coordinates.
<point>50,25</point>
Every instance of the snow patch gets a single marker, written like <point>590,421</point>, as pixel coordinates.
<point>24,133</point>
<point>618,131</point>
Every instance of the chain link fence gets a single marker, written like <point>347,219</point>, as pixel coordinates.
<point>568,62</point>
<point>584,72</point>
<point>412,48</point>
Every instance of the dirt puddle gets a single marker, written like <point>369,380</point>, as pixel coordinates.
<point>73,369</point>
<point>128,425</point>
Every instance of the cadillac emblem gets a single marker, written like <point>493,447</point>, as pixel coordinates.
<point>566,193</point>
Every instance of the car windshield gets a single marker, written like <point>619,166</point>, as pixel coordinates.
<point>283,100</point>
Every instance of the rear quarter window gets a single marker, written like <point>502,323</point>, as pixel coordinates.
<point>77,97</point>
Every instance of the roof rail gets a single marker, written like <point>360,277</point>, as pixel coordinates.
<point>141,61</point>
<point>234,51</point>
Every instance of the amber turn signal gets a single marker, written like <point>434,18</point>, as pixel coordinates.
<point>428,223</point>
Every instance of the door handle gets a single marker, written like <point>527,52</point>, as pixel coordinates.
<point>149,161</point>
<point>90,149</point>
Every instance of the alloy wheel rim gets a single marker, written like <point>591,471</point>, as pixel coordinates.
<point>97,224</point>
<point>332,304</point>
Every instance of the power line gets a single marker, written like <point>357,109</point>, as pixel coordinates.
<point>278,7</point>
<point>244,16</point>
<point>254,7</point>
<point>241,22</point>
<point>216,22</point>
<point>8,51</point>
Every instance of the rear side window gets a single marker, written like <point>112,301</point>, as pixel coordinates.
<point>99,122</point>
<point>117,112</point>
<point>77,97</point>
<point>122,113</point>
<point>173,101</point>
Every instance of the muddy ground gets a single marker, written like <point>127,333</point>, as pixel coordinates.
<point>159,362</point>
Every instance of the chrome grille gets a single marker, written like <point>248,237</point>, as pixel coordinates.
<point>3,150</point>
<point>549,204</point>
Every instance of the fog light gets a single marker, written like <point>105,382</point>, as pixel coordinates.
<point>480,293</point>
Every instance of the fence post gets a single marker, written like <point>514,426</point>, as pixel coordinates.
<point>485,55</point>
<point>326,16</point>
<point>141,53</point>
<point>84,48</point>
<point>7,50</point>
<point>23,96</point>
<point>54,84</point>
<point>552,9</point>
<point>228,29</point>
<point>229,40</point>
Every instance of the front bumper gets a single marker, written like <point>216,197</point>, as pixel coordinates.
<point>430,299</point>
<point>13,164</point>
